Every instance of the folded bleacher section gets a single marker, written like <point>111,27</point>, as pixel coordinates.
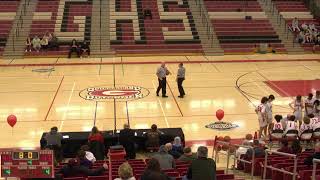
<point>170,30</point>
<point>296,8</point>
<point>8,10</point>
<point>67,19</point>
<point>241,26</point>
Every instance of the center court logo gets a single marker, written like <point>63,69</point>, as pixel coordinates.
<point>124,93</point>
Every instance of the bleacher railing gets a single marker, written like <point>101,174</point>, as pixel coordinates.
<point>280,19</point>
<point>314,169</point>
<point>229,155</point>
<point>294,173</point>
<point>205,20</point>
<point>19,23</point>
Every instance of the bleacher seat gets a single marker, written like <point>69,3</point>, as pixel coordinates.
<point>8,10</point>
<point>236,32</point>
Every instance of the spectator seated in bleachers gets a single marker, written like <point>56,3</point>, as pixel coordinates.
<point>277,128</point>
<point>96,143</point>
<point>203,168</point>
<point>74,48</point>
<point>45,41</point>
<point>28,45</point>
<point>153,171</point>
<point>36,43</point>
<point>258,150</point>
<point>187,155</point>
<point>316,155</point>
<point>177,146</point>
<point>316,104</point>
<point>54,43</point>
<point>153,137</point>
<point>316,43</point>
<point>305,132</point>
<point>125,172</point>
<point>246,142</point>
<point>304,26</point>
<point>74,169</point>
<point>126,138</point>
<point>89,155</point>
<point>295,147</point>
<point>84,48</point>
<point>295,25</point>
<point>291,127</point>
<point>53,141</point>
<point>83,160</point>
<point>285,147</point>
<point>172,152</point>
<point>165,159</point>
<point>312,27</point>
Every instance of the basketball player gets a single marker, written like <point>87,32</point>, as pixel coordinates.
<point>315,124</point>
<point>291,127</point>
<point>277,129</point>
<point>305,132</point>
<point>262,117</point>
<point>180,78</point>
<point>162,73</point>
<point>316,108</point>
<point>269,112</point>
<point>309,105</point>
<point>297,106</point>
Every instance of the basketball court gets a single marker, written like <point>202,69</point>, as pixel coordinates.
<point>53,92</point>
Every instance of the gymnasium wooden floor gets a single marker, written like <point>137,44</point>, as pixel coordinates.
<point>42,98</point>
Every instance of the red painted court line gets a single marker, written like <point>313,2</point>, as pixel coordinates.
<point>175,100</point>
<point>156,62</point>
<point>54,98</point>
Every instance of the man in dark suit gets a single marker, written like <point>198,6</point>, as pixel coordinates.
<point>126,138</point>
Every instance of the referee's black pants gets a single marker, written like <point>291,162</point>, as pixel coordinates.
<point>163,86</point>
<point>181,90</point>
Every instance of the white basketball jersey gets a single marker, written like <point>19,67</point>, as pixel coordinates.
<point>304,127</point>
<point>261,109</point>
<point>277,126</point>
<point>315,123</point>
<point>291,125</point>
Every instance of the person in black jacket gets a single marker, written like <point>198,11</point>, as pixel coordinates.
<point>153,171</point>
<point>74,48</point>
<point>126,138</point>
<point>316,155</point>
<point>73,168</point>
<point>84,48</point>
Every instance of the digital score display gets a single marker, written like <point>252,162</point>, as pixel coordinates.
<point>27,164</point>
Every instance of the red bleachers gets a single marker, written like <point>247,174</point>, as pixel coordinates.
<point>238,35</point>
<point>6,9</point>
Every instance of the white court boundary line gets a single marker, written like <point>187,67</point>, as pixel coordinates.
<point>65,112</point>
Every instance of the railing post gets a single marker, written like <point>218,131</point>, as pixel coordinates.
<point>295,168</point>
<point>265,166</point>
<point>252,163</point>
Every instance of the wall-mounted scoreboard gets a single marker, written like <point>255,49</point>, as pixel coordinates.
<point>27,163</point>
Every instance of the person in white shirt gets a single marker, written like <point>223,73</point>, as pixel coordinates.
<point>89,155</point>
<point>269,112</point>
<point>262,116</point>
<point>277,129</point>
<point>295,25</point>
<point>291,127</point>
<point>304,26</point>
<point>315,121</point>
<point>284,120</point>
<point>308,102</point>
<point>317,97</point>
<point>316,108</point>
<point>312,27</point>
<point>305,132</point>
<point>297,106</point>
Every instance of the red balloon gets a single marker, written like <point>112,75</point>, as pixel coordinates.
<point>220,114</point>
<point>12,120</point>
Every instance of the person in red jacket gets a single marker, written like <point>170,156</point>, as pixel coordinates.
<point>95,135</point>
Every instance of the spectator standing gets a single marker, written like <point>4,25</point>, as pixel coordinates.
<point>165,159</point>
<point>53,141</point>
<point>125,172</point>
<point>74,48</point>
<point>203,167</point>
<point>36,43</point>
<point>153,137</point>
<point>126,138</point>
<point>96,142</point>
<point>153,171</point>
<point>187,155</point>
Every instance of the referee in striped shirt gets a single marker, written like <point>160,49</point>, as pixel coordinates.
<point>180,78</point>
